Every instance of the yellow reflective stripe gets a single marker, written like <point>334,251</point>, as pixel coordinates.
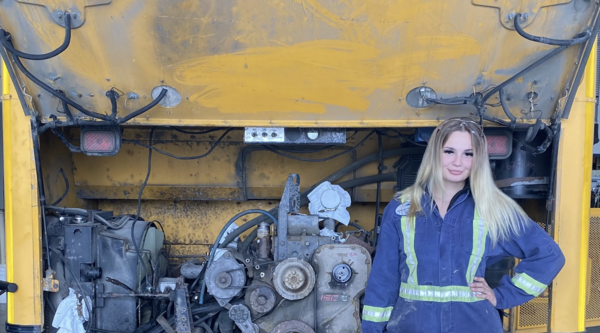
<point>479,237</point>
<point>375,314</point>
<point>529,284</point>
<point>437,294</point>
<point>408,235</point>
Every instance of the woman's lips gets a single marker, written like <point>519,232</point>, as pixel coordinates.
<point>454,172</point>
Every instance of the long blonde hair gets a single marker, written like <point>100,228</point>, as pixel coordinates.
<point>502,215</point>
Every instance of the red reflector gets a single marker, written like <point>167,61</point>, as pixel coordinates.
<point>100,142</point>
<point>497,144</point>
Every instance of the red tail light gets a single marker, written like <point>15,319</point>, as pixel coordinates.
<point>499,143</point>
<point>100,141</point>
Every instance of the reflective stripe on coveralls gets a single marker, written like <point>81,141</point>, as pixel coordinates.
<point>375,314</point>
<point>412,290</point>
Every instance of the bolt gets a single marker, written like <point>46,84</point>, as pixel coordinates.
<point>108,79</point>
<point>511,16</point>
<point>227,255</point>
<point>91,95</point>
<point>247,260</point>
<point>536,81</point>
<point>525,17</point>
<point>282,243</point>
<point>39,95</point>
<point>257,267</point>
<point>262,275</point>
<point>60,15</point>
<point>79,95</point>
<point>307,243</point>
<point>162,81</point>
<point>399,98</point>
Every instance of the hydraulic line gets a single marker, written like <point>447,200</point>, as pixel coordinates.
<point>4,40</point>
<point>580,38</point>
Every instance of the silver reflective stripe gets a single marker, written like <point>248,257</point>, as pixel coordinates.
<point>409,248</point>
<point>479,238</point>
<point>376,314</point>
<point>528,284</point>
<point>438,294</point>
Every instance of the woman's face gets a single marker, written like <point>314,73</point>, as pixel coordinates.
<point>457,157</point>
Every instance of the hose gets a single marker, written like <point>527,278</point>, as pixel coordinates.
<point>580,38</point>
<point>4,36</point>
<point>391,176</point>
<point>230,222</point>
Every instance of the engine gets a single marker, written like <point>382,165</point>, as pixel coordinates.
<point>295,275</point>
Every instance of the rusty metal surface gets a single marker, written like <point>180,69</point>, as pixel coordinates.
<point>298,62</point>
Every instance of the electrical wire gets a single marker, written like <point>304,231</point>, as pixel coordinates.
<point>64,195</point>
<point>378,195</point>
<point>320,159</point>
<point>5,36</point>
<point>578,39</point>
<point>139,143</point>
<point>178,129</point>
<point>139,208</point>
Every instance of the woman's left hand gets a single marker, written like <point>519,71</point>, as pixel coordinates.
<point>482,290</point>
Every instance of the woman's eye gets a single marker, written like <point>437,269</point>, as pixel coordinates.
<point>469,154</point>
<point>448,152</point>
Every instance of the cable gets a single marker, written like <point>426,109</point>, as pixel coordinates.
<point>523,72</point>
<point>320,159</point>
<point>64,260</point>
<point>135,142</point>
<point>378,195</point>
<point>4,36</point>
<point>139,208</point>
<point>40,181</point>
<point>344,171</point>
<point>505,108</point>
<point>214,248</point>
<point>66,188</point>
<point>152,104</point>
<point>580,38</point>
<point>391,176</point>
<point>56,94</point>
<point>198,132</point>
<point>303,151</point>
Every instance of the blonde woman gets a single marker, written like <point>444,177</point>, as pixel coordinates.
<point>437,236</point>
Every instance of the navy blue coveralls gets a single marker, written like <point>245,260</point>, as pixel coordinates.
<point>421,272</point>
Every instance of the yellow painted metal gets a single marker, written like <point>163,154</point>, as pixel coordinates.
<point>590,109</point>
<point>304,63</point>
<point>22,213</point>
<point>8,213</point>
<point>572,211</point>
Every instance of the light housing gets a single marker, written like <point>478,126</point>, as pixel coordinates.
<point>100,141</point>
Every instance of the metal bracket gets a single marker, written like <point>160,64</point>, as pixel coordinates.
<point>290,204</point>
<point>527,8</point>
<point>57,8</point>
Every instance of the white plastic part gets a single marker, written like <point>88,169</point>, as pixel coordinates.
<point>72,312</point>
<point>330,201</point>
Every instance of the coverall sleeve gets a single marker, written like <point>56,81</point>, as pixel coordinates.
<point>383,285</point>
<point>542,259</point>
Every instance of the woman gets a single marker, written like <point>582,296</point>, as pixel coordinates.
<point>437,237</point>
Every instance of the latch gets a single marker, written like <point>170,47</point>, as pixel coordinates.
<point>76,8</point>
